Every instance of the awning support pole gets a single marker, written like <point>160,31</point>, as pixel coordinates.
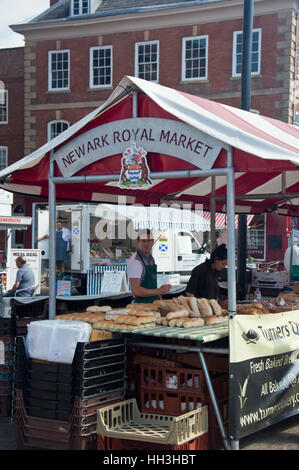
<point>231,270</point>
<point>212,218</point>
<point>52,241</point>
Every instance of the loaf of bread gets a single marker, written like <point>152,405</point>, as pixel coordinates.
<point>175,322</point>
<point>143,306</point>
<point>143,313</point>
<point>251,311</point>
<point>215,306</point>
<point>194,307</point>
<point>183,303</point>
<point>96,308</point>
<point>177,314</point>
<point>193,322</point>
<point>204,307</point>
<point>216,319</point>
<point>103,324</point>
<point>132,320</point>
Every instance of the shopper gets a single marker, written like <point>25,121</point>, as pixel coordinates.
<point>25,280</point>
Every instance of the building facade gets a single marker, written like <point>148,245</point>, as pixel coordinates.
<point>77,51</point>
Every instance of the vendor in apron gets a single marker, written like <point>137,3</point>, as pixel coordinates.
<point>142,271</point>
<point>63,241</point>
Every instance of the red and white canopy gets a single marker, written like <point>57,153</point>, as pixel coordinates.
<point>221,219</point>
<point>177,131</point>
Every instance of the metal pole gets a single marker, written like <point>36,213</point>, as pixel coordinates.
<point>246,54</point>
<point>154,175</point>
<point>231,250</point>
<point>52,241</point>
<point>245,104</point>
<point>212,218</point>
<point>214,401</point>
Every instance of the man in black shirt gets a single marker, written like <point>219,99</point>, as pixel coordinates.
<point>203,280</point>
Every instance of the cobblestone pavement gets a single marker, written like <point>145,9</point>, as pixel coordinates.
<point>281,436</point>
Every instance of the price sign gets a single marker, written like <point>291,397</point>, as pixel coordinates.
<point>113,282</point>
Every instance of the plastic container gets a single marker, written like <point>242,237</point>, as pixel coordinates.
<point>124,421</point>
<point>111,444</point>
<point>172,379</point>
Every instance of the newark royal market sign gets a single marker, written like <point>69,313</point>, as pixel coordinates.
<point>264,370</point>
<point>163,136</point>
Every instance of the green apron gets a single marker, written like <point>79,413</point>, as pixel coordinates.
<point>149,282</point>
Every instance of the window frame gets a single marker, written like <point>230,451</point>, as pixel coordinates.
<point>4,147</point>
<point>91,68</point>
<point>80,8</point>
<point>5,105</point>
<point>136,62</point>
<point>234,55</point>
<point>55,121</point>
<point>183,72</point>
<point>50,71</point>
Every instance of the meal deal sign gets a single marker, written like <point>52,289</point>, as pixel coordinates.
<point>165,136</point>
<point>264,370</point>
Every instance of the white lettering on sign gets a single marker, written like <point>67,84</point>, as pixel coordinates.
<point>162,136</point>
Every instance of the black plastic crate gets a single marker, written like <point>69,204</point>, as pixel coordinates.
<point>52,368</point>
<point>102,389</point>
<point>37,308</point>
<point>7,327</point>
<point>53,405</point>
<point>57,387</point>
<point>49,377</point>
<point>55,415</point>
<point>100,370</point>
<point>54,395</point>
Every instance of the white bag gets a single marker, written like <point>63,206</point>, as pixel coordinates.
<point>56,341</point>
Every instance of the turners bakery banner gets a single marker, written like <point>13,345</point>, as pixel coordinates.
<point>264,370</point>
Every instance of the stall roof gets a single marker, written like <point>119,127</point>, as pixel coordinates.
<point>161,218</point>
<point>265,152</point>
<point>221,219</point>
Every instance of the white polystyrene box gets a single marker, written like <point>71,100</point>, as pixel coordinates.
<point>56,341</point>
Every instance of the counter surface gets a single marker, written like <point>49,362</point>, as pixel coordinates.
<point>203,333</point>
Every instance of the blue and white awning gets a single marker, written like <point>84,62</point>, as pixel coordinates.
<point>161,218</point>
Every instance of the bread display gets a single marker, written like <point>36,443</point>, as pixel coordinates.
<point>216,319</point>
<point>177,314</point>
<point>215,306</point>
<point>96,308</point>
<point>194,307</point>
<point>205,307</point>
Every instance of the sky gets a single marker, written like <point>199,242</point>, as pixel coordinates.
<point>14,12</point>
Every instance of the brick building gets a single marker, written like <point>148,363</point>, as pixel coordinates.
<point>77,51</point>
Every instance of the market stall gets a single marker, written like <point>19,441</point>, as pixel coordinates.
<point>154,145</point>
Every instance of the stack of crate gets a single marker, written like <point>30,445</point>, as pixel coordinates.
<point>24,313</point>
<point>169,387</point>
<point>7,332</point>
<point>55,404</point>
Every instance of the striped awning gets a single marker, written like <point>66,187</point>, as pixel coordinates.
<point>265,153</point>
<point>221,219</point>
<point>161,218</point>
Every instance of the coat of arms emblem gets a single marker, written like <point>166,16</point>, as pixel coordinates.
<point>135,173</point>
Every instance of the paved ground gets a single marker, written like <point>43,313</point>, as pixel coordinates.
<point>281,436</point>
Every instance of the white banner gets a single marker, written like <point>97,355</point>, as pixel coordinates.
<point>164,136</point>
<point>264,370</point>
<point>33,260</point>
